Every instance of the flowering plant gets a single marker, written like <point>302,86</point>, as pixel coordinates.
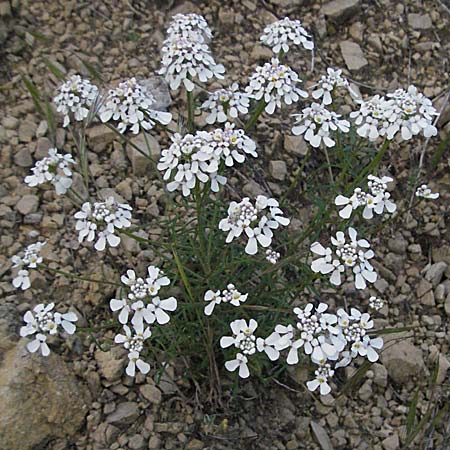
<point>161,314</point>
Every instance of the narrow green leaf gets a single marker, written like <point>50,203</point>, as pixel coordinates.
<point>54,70</point>
<point>92,71</point>
<point>410,419</point>
<point>34,93</point>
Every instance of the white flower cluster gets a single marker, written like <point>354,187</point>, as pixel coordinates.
<point>29,260</point>
<point>146,307</point>
<point>53,169</point>
<point>100,221</point>
<point>282,33</point>
<point>274,82</point>
<point>317,124</point>
<point>229,295</point>
<point>376,303</point>
<point>377,200</point>
<point>130,104</point>
<point>75,98</point>
<point>328,83</point>
<point>327,337</point>
<point>354,254</point>
<point>256,221</point>
<point>247,344</point>
<point>42,321</point>
<point>425,192</point>
<point>225,104</point>
<point>408,112</point>
<point>185,55</point>
<point>197,157</point>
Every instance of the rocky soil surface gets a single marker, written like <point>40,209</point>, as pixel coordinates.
<point>80,398</point>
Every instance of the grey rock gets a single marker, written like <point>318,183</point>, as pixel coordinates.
<point>100,137</point>
<point>365,391</point>
<point>252,189</point>
<point>28,204</point>
<point>420,21</point>
<point>447,305</point>
<point>160,91</point>
<point>375,42</point>
<point>402,360</point>
<point>27,131</point>
<point>140,163</point>
<point>41,399</point>
<point>321,435</point>
<point>110,363</point>
<point>398,244</point>
<point>353,55</point>
<point>151,393</point>
<point>10,123</point>
<point>391,443</point>
<point>23,158</point>
<point>295,145</point>
<point>136,442</point>
<point>425,293</point>
<point>278,170</point>
<point>126,413</point>
<point>260,52</point>
<point>78,186</point>
<point>435,272</point>
<point>340,10</point>
<point>380,374</point>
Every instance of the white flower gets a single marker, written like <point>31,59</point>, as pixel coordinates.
<point>100,221</point>
<point>317,125</point>
<point>268,346</point>
<point>354,254</point>
<point>378,200</point>
<point>233,296</point>
<point>130,104</point>
<point>29,260</point>
<point>156,279</point>
<point>185,57</point>
<point>425,192</point>
<point>139,288</point>
<point>282,33</point>
<point>226,104</point>
<point>42,321</point>
<point>39,343</point>
<point>123,306</point>
<point>323,373</point>
<point>214,299</point>
<point>141,313</point>
<point>22,280</point>
<point>54,169</point>
<point>328,83</point>
<point>241,363</point>
<point>254,221</point>
<point>190,25</point>
<point>133,340</point>
<point>159,307</point>
<point>75,98</point>
<point>272,256</point>
<point>376,303</point>
<point>136,361</point>
<point>413,114</point>
<point>374,118</point>
<point>243,336</point>
<point>273,83</point>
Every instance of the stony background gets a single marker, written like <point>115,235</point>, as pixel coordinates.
<point>79,398</point>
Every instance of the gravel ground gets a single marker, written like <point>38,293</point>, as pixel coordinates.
<point>381,45</point>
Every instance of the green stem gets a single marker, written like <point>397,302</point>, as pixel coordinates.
<point>294,183</point>
<point>256,113</point>
<point>327,156</point>
<point>190,102</point>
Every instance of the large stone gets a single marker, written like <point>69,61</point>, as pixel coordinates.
<point>100,137</point>
<point>23,158</point>
<point>111,363</point>
<point>295,145</point>
<point>126,413</point>
<point>40,399</point>
<point>340,10</point>
<point>151,393</point>
<point>27,131</point>
<point>278,170</point>
<point>147,145</point>
<point>28,204</point>
<point>435,272</point>
<point>420,21</point>
<point>402,360</point>
<point>353,55</point>
<point>321,436</point>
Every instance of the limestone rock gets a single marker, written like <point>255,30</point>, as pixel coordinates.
<point>295,145</point>
<point>126,413</point>
<point>100,137</point>
<point>28,204</point>
<point>278,170</point>
<point>23,158</point>
<point>139,162</point>
<point>151,393</point>
<point>340,10</point>
<point>321,436</point>
<point>111,363</point>
<point>402,360</point>
<point>435,272</point>
<point>353,56</point>
<point>420,21</point>
<point>391,443</point>
<point>41,399</point>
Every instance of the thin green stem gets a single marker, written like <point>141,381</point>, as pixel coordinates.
<point>190,102</point>
<point>327,156</point>
<point>294,183</point>
<point>256,113</point>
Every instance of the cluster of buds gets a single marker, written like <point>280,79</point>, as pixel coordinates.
<point>30,259</point>
<point>328,84</point>
<point>229,295</point>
